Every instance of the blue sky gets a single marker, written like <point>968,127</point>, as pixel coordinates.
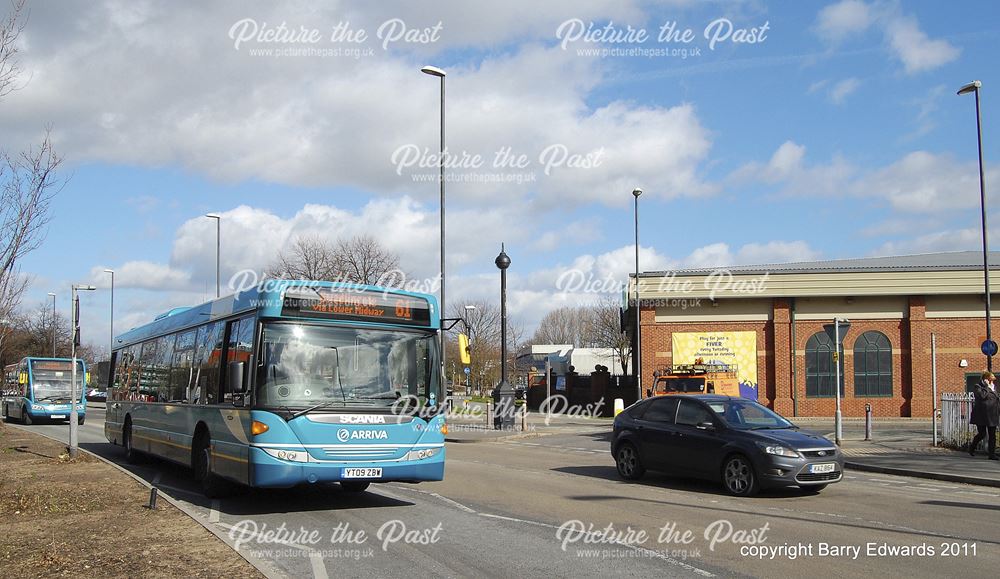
<point>836,134</point>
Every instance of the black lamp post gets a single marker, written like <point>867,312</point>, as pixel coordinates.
<point>988,346</point>
<point>503,395</point>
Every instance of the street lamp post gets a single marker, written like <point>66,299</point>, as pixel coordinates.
<point>974,86</point>
<point>834,331</point>
<point>112,348</point>
<point>503,396</point>
<point>435,71</point>
<point>53,296</point>
<point>637,371</point>
<point>74,416</point>
<point>218,250</point>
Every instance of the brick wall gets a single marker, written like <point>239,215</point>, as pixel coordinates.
<point>910,337</point>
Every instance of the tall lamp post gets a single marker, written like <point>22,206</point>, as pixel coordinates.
<point>435,71</point>
<point>74,416</point>
<point>112,348</point>
<point>503,396</point>
<point>989,348</point>
<point>218,250</point>
<point>837,330</point>
<point>53,296</point>
<point>637,371</point>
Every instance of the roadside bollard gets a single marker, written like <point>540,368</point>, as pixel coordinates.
<point>619,406</point>
<point>868,421</point>
<point>152,499</point>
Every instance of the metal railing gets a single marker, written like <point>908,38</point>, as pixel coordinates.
<point>956,432</point>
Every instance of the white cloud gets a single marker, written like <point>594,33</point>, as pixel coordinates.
<point>902,33</point>
<point>914,49</point>
<point>841,90</point>
<point>314,121</point>
<point>919,182</point>
<point>771,252</point>
<point>923,182</point>
<point>848,17</point>
<point>142,274</point>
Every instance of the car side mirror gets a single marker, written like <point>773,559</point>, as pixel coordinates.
<point>707,425</point>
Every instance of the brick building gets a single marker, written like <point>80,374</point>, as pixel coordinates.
<point>769,319</point>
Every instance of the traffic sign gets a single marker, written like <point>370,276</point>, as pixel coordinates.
<point>989,348</point>
<point>467,371</point>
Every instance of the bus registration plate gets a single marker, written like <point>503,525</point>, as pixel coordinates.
<point>821,468</point>
<point>361,473</point>
<point>58,416</point>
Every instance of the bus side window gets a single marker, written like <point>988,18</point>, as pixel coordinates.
<point>207,363</point>
<point>238,347</point>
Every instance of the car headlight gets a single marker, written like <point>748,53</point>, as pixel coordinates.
<point>777,450</point>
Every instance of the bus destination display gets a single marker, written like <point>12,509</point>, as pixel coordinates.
<point>357,305</point>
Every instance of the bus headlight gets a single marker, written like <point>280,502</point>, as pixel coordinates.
<point>421,454</point>
<point>290,455</point>
<point>37,407</point>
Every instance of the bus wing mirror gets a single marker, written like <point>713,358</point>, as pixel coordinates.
<point>234,377</point>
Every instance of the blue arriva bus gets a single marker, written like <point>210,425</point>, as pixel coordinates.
<point>292,382</point>
<point>39,389</point>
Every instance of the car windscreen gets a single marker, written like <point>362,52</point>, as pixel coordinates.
<point>748,415</point>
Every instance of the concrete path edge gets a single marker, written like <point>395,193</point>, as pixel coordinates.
<point>941,476</point>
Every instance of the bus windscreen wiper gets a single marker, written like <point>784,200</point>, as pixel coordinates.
<point>323,404</point>
<point>382,396</point>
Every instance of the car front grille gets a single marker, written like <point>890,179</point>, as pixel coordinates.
<point>817,453</point>
<point>818,477</point>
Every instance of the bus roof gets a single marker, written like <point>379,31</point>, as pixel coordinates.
<point>266,298</point>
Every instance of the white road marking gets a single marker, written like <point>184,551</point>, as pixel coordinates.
<point>318,567</point>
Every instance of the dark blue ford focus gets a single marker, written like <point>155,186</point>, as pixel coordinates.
<point>737,441</point>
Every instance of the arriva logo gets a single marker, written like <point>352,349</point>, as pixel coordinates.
<point>361,419</point>
<point>343,435</point>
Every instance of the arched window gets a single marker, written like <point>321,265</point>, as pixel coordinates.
<point>820,371</point>
<point>872,365</point>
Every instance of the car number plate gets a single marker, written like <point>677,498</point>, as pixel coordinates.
<point>58,416</point>
<point>821,468</point>
<point>361,473</point>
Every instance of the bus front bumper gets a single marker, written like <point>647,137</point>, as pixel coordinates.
<point>269,472</point>
<point>55,411</point>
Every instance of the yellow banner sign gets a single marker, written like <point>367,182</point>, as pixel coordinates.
<point>733,348</point>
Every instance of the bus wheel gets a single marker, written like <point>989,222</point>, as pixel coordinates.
<point>25,417</point>
<point>353,486</point>
<point>212,485</point>
<point>80,420</point>
<point>131,454</point>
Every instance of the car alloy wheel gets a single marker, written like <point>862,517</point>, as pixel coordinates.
<point>739,477</point>
<point>628,463</point>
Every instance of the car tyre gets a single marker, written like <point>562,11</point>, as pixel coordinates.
<point>354,486</point>
<point>628,462</point>
<point>739,477</point>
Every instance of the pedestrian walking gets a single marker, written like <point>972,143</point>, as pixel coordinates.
<point>985,415</point>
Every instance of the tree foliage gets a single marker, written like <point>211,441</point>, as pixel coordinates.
<point>361,259</point>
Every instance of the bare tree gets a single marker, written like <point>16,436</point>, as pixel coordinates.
<point>28,181</point>
<point>10,29</point>
<point>309,257</point>
<point>359,259</point>
<point>483,323</point>
<point>362,259</point>
<point>565,325</point>
<point>606,329</point>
